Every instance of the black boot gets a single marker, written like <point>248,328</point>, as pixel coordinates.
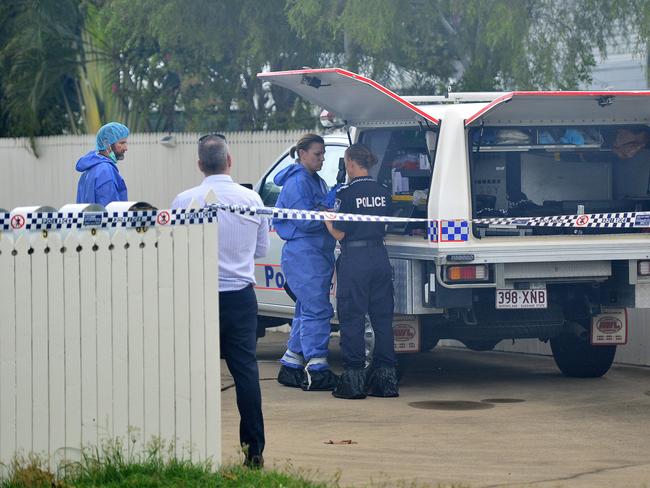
<point>319,380</point>
<point>351,385</point>
<point>292,377</point>
<point>382,382</point>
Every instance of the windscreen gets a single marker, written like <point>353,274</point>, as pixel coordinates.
<point>405,165</point>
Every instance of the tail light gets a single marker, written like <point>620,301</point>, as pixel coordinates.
<point>471,272</point>
<point>643,268</point>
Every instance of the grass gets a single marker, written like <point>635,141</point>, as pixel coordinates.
<point>114,466</point>
<point>155,465</point>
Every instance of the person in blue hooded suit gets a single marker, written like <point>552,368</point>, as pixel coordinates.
<point>100,181</point>
<point>308,265</point>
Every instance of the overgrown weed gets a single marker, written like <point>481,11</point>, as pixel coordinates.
<point>116,465</point>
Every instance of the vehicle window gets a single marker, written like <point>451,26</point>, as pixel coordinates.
<point>269,191</point>
<point>405,166</point>
<point>331,164</point>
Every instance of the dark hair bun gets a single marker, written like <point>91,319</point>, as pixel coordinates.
<point>361,155</point>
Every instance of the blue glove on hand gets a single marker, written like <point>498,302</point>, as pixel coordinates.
<point>330,198</point>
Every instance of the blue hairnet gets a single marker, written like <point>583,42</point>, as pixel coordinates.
<point>111,133</point>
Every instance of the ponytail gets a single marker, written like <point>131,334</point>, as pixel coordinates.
<point>304,143</point>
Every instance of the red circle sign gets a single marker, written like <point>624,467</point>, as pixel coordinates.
<point>163,218</point>
<point>582,220</point>
<point>17,222</point>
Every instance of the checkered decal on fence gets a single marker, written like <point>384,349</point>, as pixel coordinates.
<point>432,230</point>
<point>454,230</point>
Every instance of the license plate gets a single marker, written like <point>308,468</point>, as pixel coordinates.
<point>508,299</point>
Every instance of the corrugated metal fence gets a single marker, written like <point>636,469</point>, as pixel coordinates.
<point>154,172</point>
<point>105,333</point>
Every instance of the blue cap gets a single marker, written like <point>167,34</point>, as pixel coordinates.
<point>111,133</point>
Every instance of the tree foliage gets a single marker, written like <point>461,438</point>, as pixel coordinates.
<point>39,55</point>
<point>169,65</point>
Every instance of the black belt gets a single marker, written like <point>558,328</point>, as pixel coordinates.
<point>361,243</point>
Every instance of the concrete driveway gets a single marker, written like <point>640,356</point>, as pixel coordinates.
<point>474,419</point>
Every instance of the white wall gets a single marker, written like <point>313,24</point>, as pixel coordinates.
<point>153,173</point>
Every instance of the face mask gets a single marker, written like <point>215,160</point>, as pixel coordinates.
<point>112,156</point>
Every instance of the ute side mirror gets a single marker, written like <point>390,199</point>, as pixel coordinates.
<point>340,176</point>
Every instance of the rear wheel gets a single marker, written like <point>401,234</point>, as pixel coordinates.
<point>577,358</point>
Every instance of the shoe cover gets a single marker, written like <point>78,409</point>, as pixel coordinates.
<point>382,382</point>
<point>351,385</point>
<point>319,380</point>
<point>292,377</point>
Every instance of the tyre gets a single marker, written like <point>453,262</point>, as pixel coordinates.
<point>577,358</point>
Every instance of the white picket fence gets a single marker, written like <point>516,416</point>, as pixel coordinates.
<point>107,334</point>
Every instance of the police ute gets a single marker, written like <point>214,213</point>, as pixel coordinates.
<point>519,215</point>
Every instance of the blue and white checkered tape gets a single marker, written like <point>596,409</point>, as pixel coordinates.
<point>5,221</point>
<point>618,220</point>
<point>452,230</point>
<point>140,218</point>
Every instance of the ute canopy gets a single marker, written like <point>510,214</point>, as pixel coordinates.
<point>562,108</point>
<point>357,100</point>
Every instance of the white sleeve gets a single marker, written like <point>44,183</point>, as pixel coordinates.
<point>263,243</point>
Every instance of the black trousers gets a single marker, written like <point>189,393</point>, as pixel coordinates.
<point>238,325</point>
<point>364,286</point>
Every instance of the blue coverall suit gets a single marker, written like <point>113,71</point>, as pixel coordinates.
<point>308,265</point>
<point>101,181</point>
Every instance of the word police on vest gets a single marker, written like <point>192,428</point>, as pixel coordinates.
<point>369,202</point>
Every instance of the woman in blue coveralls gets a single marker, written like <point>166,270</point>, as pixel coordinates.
<point>308,265</point>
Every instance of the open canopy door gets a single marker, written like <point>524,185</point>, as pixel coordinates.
<point>561,108</point>
<point>357,100</point>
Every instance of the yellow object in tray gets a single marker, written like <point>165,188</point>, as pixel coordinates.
<point>403,198</point>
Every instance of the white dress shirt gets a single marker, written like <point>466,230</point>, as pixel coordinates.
<point>242,238</point>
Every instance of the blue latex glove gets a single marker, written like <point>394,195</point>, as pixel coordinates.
<point>572,136</point>
<point>330,199</point>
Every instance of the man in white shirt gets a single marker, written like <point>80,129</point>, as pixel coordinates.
<point>241,240</point>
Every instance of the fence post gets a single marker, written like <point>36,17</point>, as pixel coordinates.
<point>7,349</point>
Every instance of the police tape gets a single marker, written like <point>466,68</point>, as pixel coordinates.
<point>447,229</point>
<point>601,220</point>
<point>619,220</point>
<point>295,214</point>
<point>79,220</point>
<point>171,217</point>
